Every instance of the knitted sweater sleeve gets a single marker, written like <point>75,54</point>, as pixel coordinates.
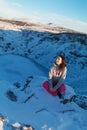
<point>61,80</point>
<point>50,77</point>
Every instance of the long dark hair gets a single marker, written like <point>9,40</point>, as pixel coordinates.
<point>63,64</point>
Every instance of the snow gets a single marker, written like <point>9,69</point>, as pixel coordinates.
<point>26,53</point>
<point>11,65</point>
<point>42,111</point>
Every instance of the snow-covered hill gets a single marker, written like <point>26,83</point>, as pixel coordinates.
<point>21,77</point>
<point>24,102</point>
<point>43,43</point>
<point>31,25</point>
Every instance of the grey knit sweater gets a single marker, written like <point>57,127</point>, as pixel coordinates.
<point>56,76</point>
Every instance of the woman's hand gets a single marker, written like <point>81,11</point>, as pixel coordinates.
<point>51,89</point>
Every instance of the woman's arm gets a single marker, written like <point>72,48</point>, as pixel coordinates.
<point>50,77</point>
<point>61,80</point>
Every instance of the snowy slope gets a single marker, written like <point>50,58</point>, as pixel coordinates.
<point>29,103</point>
<point>26,53</point>
<point>43,43</point>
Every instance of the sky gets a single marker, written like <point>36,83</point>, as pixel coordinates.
<point>66,13</point>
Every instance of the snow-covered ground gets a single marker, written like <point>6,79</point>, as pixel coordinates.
<point>31,104</point>
<point>26,53</point>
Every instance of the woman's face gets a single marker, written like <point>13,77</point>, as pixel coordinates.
<point>59,60</point>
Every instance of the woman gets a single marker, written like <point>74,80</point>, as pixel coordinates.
<point>57,75</point>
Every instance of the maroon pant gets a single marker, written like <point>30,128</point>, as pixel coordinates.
<point>62,88</point>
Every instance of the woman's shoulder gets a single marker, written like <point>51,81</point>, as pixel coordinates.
<point>65,69</point>
<point>53,67</point>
